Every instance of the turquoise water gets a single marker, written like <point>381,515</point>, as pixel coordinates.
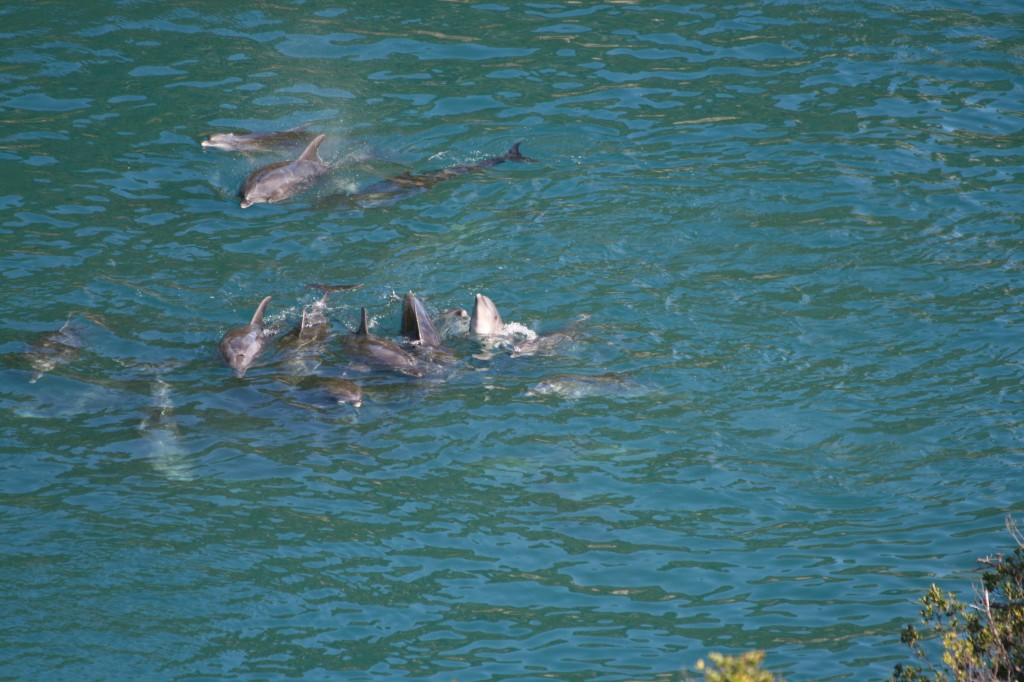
<point>787,234</point>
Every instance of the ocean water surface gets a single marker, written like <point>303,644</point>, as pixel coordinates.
<point>785,240</point>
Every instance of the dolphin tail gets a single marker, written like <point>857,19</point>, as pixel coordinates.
<point>327,289</point>
<point>257,318</point>
<point>310,153</point>
<point>334,288</point>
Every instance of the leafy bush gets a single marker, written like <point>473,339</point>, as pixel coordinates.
<point>743,668</point>
<point>981,642</point>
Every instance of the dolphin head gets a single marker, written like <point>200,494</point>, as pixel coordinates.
<point>416,324</point>
<point>227,141</point>
<point>485,320</point>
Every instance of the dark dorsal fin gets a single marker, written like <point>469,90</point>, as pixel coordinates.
<point>364,325</point>
<point>310,153</point>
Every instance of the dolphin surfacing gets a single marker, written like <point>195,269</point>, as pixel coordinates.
<point>391,190</point>
<point>260,141</point>
<point>416,324</point>
<point>241,346</point>
<point>485,320</point>
<point>380,353</point>
<point>285,179</point>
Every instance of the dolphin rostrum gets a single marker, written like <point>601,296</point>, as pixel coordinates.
<point>391,190</point>
<point>285,179</point>
<point>262,141</point>
<point>241,346</point>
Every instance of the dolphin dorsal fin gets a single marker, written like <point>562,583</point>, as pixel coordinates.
<point>364,325</point>
<point>310,152</point>
<point>257,318</point>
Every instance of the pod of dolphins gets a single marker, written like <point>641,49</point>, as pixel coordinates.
<point>420,350</point>
<point>285,179</point>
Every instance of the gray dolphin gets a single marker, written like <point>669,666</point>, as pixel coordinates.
<point>391,190</point>
<point>576,386</point>
<point>260,141</point>
<point>304,344</point>
<point>416,324</point>
<point>336,389</point>
<point>313,326</point>
<point>285,179</point>
<point>485,320</point>
<point>241,346</point>
<point>428,346</point>
<point>379,352</point>
<point>48,351</point>
<point>549,343</point>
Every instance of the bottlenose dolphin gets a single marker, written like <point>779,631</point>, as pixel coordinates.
<point>485,320</point>
<point>51,349</point>
<point>548,343</point>
<point>341,390</point>
<point>241,346</point>
<point>335,389</point>
<point>162,436</point>
<point>416,324</point>
<point>426,341</point>
<point>303,345</point>
<point>576,386</point>
<point>379,352</point>
<point>314,325</point>
<point>262,141</point>
<point>391,190</point>
<point>285,179</point>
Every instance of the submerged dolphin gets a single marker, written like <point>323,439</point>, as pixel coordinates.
<point>576,386</point>
<point>162,436</point>
<point>285,179</point>
<point>306,342</point>
<point>387,192</point>
<point>485,320</point>
<point>262,141</point>
<point>314,324</point>
<point>54,348</point>
<point>379,352</point>
<point>241,346</point>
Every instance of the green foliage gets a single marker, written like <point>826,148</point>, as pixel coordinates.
<point>743,668</point>
<point>982,642</point>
